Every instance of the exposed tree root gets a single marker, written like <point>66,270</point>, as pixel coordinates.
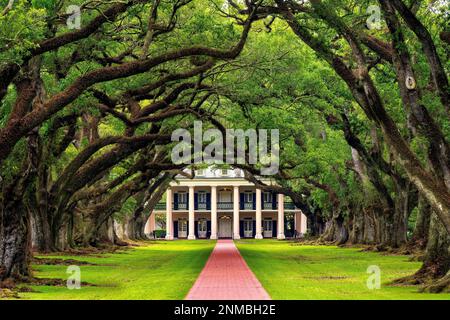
<point>415,252</point>
<point>8,294</point>
<point>428,284</point>
<point>11,288</point>
<point>310,242</point>
<point>8,284</point>
<point>429,277</point>
<point>375,248</point>
<point>62,262</point>
<point>440,286</point>
<point>412,280</point>
<point>121,243</point>
<point>87,251</point>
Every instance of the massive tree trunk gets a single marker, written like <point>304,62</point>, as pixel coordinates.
<point>438,255</point>
<point>437,70</point>
<point>42,237</point>
<point>15,244</point>
<point>397,221</point>
<point>366,225</point>
<point>134,226</point>
<point>40,227</point>
<point>375,224</point>
<point>336,230</point>
<point>435,271</point>
<point>367,96</point>
<point>315,221</point>
<point>437,260</point>
<point>15,230</point>
<point>419,238</point>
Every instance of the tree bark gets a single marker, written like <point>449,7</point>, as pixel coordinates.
<point>437,70</point>
<point>336,230</point>
<point>419,238</point>
<point>435,271</point>
<point>366,95</point>
<point>15,245</point>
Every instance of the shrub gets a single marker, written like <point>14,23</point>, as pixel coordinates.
<point>160,234</point>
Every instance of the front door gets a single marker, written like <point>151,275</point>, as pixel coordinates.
<point>248,228</point>
<point>225,227</point>
<point>202,228</point>
<point>182,228</point>
<point>267,227</point>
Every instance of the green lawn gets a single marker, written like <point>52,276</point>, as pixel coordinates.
<point>290,271</point>
<point>167,270</point>
<point>158,270</point>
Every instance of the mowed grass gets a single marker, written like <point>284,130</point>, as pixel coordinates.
<point>292,271</point>
<point>155,270</point>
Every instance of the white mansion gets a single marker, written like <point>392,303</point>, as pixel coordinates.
<point>220,203</point>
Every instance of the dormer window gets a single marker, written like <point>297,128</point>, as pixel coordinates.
<point>201,172</point>
<point>224,172</point>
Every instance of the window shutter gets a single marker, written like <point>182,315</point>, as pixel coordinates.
<point>208,229</point>
<point>208,201</point>
<point>241,228</point>
<point>274,228</point>
<point>195,201</point>
<point>274,201</point>
<point>175,229</point>
<point>254,201</point>
<point>241,201</point>
<point>175,201</point>
<point>254,228</point>
<point>196,228</point>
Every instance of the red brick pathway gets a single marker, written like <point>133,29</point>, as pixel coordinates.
<point>226,276</point>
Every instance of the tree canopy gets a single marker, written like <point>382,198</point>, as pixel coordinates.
<point>87,112</point>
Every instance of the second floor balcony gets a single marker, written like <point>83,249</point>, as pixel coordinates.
<point>228,206</point>
<point>225,205</point>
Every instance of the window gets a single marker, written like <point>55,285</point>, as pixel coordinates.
<point>182,225</point>
<point>267,197</point>
<point>267,228</point>
<point>224,172</point>
<point>202,197</point>
<point>248,197</point>
<point>182,228</point>
<point>201,172</point>
<point>248,228</point>
<point>202,226</point>
<point>182,197</point>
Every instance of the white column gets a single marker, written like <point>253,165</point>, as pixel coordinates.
<point>258,215</point>
<point>236,213</point>
<point>281,217</point>
<point>151,224</point>
<point>304,224</point>
<point>213,213</point>
<point>191,235</point>
<point>298,222</point>
<point>169,218</point>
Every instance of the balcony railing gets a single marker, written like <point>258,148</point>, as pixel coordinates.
<point>182,206</point>
<point>267,205</point>
<point>225,205</point>
<point>248,205</point>
<point>289,205</point>
<point>160,206</point>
